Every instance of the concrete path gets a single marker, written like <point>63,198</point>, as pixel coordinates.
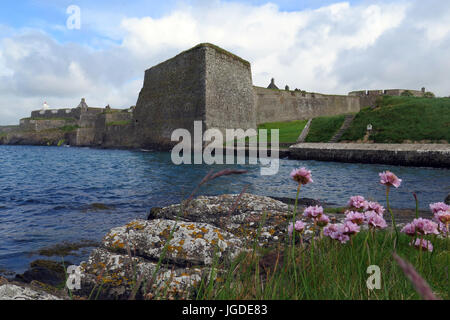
<point>426,155</point>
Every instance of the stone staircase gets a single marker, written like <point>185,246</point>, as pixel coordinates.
<point>304,134</point>
<point>347,122</point>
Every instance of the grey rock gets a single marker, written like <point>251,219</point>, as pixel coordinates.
<point>447,200</point>
<point>14,292</point>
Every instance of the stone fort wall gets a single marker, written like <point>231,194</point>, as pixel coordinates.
<point>280,105</point>
<point>205,84</point>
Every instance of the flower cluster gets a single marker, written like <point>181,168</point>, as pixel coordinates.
<point>316,214</point>
<point>341,232</point>
<point>299,227</point>
<point>358,203</point>
<point>389,179</point>
<point>301,175</point>
<point>421,227</point>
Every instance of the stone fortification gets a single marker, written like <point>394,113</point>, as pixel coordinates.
<point>205,83</point>
<point>280,105</point>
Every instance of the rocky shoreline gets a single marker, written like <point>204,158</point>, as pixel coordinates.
<point>137,260</point>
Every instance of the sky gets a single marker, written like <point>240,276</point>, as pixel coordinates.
<point>324,46</point>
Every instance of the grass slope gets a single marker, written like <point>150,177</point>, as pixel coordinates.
<point>324,128</point>
<point>403,118</point>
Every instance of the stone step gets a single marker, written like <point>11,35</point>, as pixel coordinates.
<point>347,122</point>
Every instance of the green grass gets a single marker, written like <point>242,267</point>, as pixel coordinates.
<point>289,131</point>
<point>69,128</point>
<point>398,119</point>
<point>324,128</point>
<point>119,123</point>
<point>330,270</point>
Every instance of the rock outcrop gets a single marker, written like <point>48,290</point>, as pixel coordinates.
<point>170,253</point>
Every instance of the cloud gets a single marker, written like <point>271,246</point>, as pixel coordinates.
<point>333,49</point>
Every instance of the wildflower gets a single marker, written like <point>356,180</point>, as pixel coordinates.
<point>389,179</point>
<point>439,206</point>
<point>443,216</point>
<point>358,202</point>
<point>313,212</point>
<point>301,175</point>
<point>336,232</point>
<point>422,244</point>
<point>425,226</point>
<point>375,206</point>
<point>349,228</point>
<point>443,229</point>
<point>299,227</point>
<point>355,217</point>
<point>374,220</point>
<point>328,231</point>
<point>409,229</point>
<point>322,220</point>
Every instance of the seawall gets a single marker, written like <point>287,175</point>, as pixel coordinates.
<point>417,155</point>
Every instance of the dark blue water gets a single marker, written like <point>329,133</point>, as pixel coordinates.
<point>45,192</point>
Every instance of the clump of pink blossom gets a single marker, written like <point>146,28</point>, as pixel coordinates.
<point>390,179</point>
<point>375,221</point>
<point>301,175</point>
<point>443,216</point>
<point>341,232</point>
<point>355,217</point>
<point>313,212</point>
<point>322,220</point>
<point>422,244</point>
<point>375,206</point>
<point>421,226</point>
<point>299,227</point>
<point>358,203</point>
<point>439,206</point>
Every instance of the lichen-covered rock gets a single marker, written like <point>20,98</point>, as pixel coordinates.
<point>169,254</point>
<point>244,221</point>
<point>14,292</point>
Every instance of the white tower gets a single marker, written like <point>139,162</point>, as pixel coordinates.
<point>45,106</point>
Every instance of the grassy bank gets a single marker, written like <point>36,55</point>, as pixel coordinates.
<point>329,270</point>
<point>401,119</point>
<point>324,128</point>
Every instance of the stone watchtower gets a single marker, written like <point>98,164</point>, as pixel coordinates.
<point>204,83</point>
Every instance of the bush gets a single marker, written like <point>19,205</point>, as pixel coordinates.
<point>429,95</point>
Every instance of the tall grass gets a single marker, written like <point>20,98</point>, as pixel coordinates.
<point>327,269</point>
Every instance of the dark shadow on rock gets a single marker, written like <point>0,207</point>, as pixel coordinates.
<point>45,271</point>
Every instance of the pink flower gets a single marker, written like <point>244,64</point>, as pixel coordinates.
<point>349,228</point>
<point>422,244</point>
<point>299,227</point>
<point>355,217</point>
<point>313,212</point>
<point>328,231</point>
<point>375,206</point>
<point>389,179</point>
<point>335,232</point>
<point>374,220</point>
<point>322,220</point>
<point>409,229</point>
<point>443,229</point>
<point>439,206</point>
<point>443,216</point>
<point>425,226</point>
<point>358,202</point>
<point>302,176</point>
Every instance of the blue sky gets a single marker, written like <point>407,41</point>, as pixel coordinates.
<point>317,45</point>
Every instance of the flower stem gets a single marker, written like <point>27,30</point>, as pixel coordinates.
<point>392,216</point>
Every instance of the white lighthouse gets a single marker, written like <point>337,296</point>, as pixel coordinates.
<point>45,106</point>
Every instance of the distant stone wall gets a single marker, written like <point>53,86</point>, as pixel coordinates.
<point>41,125</point>
<point>368,98</point>
<point>281,105</point>
<point>56,113</point>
